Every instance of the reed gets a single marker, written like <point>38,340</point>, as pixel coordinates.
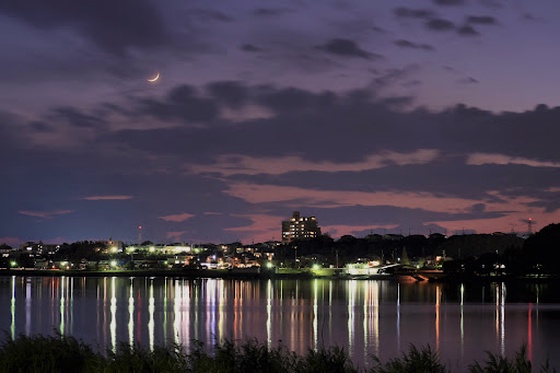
<point>57,353</point>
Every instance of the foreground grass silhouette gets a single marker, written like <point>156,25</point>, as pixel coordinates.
<point>66,354</point>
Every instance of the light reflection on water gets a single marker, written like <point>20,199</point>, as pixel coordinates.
<point>380,318</point>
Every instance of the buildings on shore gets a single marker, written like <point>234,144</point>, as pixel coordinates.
<point>300,227</point>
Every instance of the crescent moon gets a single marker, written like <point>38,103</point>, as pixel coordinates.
<point>154,79</point>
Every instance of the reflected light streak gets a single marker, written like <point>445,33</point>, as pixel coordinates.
<point>530,333</point>
<point>375,327</point>
<point>330,306</point>
<point>13,308</point>
<point>503,318</point>
<point>113,308</point>
<point>222,310</point>
<point>211,287</point>
<point>365,318</point>
<point>315,311</point>
<point>28,307</point>
<point>293,318</point>
<point>151,309</point>
<point>237,311</point>
<point>461,318</point>
<point>131,313</point>
<point>177,315</point>
<point>269,313</point>
<point>165,290</point>
<point>62,296</point>
<point>438,303</point>
<point>69,306</point>
<point>399,316</point>
<point>193,294</point>
<point>352,285</point>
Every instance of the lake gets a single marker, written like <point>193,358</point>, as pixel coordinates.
<point>366,317</point>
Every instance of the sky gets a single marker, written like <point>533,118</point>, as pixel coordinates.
<point>406,117</point>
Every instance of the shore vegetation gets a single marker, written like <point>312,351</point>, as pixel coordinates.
<point>57,353</point>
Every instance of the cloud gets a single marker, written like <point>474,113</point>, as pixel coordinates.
<point>482,20</point>
<point>117,197</point>
<point>403,12</point>
<point>315,198</point>
<point>346,48</point>
<point>449,2</point>
<point>177,218</point>
<point>265,149</point>
<point>440,24</point>
<point>467,30</point>
<point>113,26</point>
<point>228,165</point>
<point>408,44</point>
<point>231,93</point>
<point>468,80</point>
<point>206,15</point>
<point>250,48</point>
<point>45,214</point>
<point>182,104</point>
<point>271,12</point>
<point>176,235</point>
<point>501,159</point>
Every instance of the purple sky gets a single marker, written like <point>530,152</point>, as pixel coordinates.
<point>374,116</point>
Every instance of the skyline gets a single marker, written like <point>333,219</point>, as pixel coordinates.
<point>432,116</point>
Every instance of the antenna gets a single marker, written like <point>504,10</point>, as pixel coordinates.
<point>530,226</point>
<point>139,235</point>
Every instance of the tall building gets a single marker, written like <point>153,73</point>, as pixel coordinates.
<point>300,227</point>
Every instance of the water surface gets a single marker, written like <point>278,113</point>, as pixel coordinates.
<point>380,318</point>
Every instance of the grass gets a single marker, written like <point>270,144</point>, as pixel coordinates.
<point>45,354</point>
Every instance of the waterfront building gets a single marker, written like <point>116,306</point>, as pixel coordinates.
<point>300,227</point>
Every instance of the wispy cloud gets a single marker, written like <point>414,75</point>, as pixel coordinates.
<point>45,214</point>
<point>332,198</point>
<point>177,218</point>
<point>478,159</point>
<point>108,198</point>
<point>176,236</point>
<point>228,165</point>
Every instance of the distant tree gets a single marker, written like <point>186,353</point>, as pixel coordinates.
<point>541,249</point>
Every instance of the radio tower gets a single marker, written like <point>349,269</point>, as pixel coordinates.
<point>530,227</point>
<point>139,235</point>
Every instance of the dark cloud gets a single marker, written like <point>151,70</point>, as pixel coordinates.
<point>467,30</point>
<point>113,26</point>
<point>210,15</point>
<point>271,12</point>
<point>404,218</point>
<point>403,12</point>
<point>449,2</point>
<point>482,20</point>
<point>378,122</point>
<point>150,164</point>
<point>391,77</point>
<point>495,4</point>
<point>232,94</point>
<point>408,44</point>
<point>41,126</point>
<point>439,24</point>
<point>345,47</point>
<point>182,104</point>
<point>250,48</point>
<point>75,118</point>
<point>468,80</point>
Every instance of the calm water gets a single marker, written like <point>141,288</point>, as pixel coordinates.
<point>379,318</point>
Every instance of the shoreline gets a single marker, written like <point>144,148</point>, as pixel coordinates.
<point>278,274</point>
